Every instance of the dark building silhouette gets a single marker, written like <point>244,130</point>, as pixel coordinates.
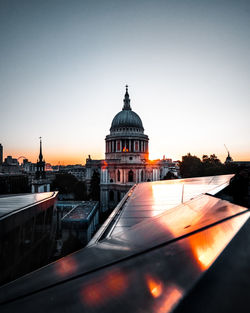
<point>40,183</point>
<point>40,165</point>
<point>1,154</point>
<point>229,158</point>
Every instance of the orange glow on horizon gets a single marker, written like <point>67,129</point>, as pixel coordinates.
<point>63,157</point>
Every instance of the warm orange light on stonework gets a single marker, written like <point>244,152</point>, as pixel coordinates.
<point>104,166</point>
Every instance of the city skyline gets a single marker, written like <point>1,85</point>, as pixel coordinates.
<point>64,66</point>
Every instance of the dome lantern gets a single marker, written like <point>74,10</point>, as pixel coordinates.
<point>127,118</point>
<point>126,100</point>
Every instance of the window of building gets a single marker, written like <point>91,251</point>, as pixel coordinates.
<point>118,146</point>
<point>141,175</point>
<point>136,145</point>
<point>118,175</point>
<point>130,176</point>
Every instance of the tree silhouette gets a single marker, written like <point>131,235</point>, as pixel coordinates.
<point>68,183</point>
<point>95,186</point>
<point>192,166</point>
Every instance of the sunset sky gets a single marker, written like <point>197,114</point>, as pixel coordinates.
<point>64,66</point>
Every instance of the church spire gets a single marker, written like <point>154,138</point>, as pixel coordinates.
<point>40,154</point>
<point>40,165</point>
<point>126,100</point>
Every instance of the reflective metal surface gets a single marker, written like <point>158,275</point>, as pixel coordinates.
<point>147,266</point>
<point>151,199</point>
<point>27,230</point>
<point>152,281</point>
<point>186,218</point>
<point>11,203</point>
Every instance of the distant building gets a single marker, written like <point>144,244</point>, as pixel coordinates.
<point>126,159</point>
<point>40,183</point>
<point>229,158</point>
<point>91,167</point>
<point>29,167</point>
<point>76,170</point>
<point>11,166</point>
<point>243,164</point>
<point>11,161</point>
<point>77,221</point>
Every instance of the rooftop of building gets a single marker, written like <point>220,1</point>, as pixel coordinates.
<point>175,261</point>
<point>81,212</point>
<point>147,200</point>
<point>13,203</point>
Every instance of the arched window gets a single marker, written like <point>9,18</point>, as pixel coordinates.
<point>111,195</point>
<point>130,176</point>
<point>142,175</point>
<point>118,146</point>
<point>118,175</point>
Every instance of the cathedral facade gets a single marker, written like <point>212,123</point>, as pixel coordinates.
<point>126,158</point>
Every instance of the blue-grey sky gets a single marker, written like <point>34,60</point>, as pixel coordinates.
<point>64,66</point>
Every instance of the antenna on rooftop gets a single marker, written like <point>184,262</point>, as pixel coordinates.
<point>226,148</point>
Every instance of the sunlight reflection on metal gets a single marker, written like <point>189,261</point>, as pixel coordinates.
<point>66,266</point>
<point>42,195</point>
<point>155,286</point>
<point>168,192</point>
<point>104,288</point>
<point>206,248</point>
<point>170,298</point>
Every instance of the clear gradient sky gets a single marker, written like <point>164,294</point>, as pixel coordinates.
<point>64,66</point>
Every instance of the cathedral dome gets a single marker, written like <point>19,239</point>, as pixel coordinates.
<point>127,118</point>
